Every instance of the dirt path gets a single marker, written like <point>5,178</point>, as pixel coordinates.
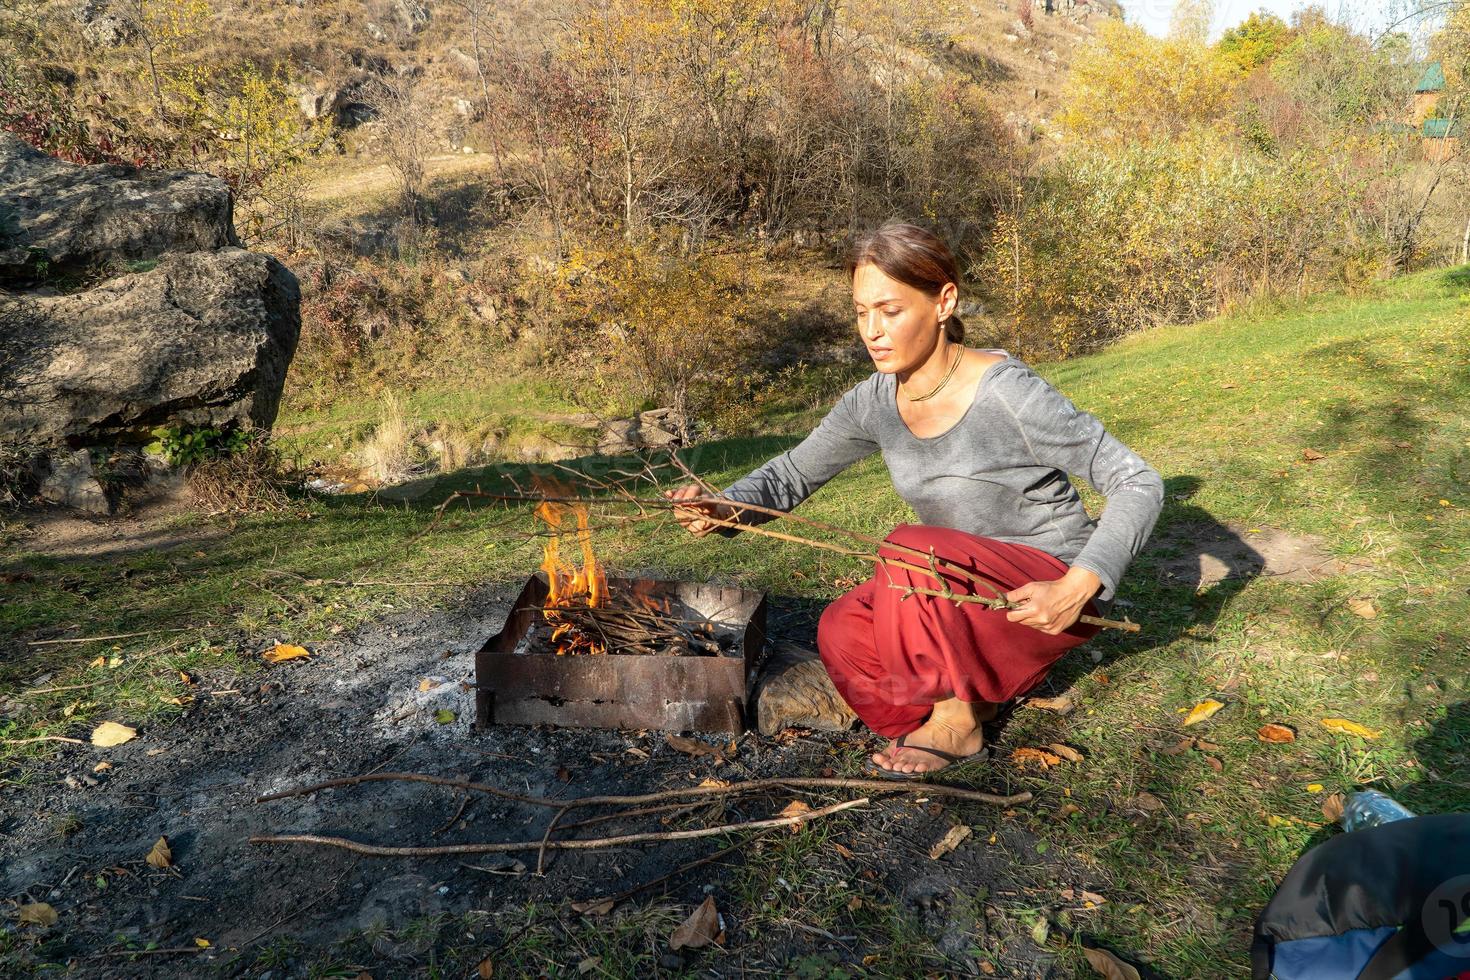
<point>362,177</point>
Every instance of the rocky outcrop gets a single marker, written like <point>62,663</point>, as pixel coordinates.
<point>126,304</point>
<point>201,339</point>
<point>58,219</point>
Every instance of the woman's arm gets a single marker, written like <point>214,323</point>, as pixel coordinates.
<point>840,440</point>
<point>1060,436</point>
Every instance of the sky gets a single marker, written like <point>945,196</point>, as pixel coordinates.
<point>1153,15</point>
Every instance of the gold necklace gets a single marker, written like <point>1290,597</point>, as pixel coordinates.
<point>959,356</point>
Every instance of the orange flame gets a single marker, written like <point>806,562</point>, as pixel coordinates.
<point>568,585</point>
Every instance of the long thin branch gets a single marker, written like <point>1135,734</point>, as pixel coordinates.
<point>595,843</point>
<point>747,786</point>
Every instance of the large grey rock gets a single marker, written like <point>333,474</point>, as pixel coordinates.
<point>203,338</point>
<point>59,219</point>
<point>73,483</point>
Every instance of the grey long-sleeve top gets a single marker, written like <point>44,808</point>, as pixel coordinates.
<point>999,472</point>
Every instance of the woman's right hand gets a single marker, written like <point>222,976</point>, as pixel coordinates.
<point>695,517</point>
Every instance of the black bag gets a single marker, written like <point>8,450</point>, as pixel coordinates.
<point>1383,903</point>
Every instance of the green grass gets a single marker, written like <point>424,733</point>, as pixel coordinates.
<point>1379,384</point>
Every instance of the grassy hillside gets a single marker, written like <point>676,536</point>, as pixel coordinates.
<point>1346,420</point>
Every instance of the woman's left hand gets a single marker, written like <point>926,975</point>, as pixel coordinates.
<point>1054,606</point>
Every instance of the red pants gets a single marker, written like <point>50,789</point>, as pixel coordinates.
<point>891,657</point>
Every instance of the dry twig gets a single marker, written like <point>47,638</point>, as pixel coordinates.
<point>597,843</point>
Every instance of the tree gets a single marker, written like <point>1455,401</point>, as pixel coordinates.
<point>162,29</point>
<point>405,134</point>
<point>1255,41</point>
<point>1126,85</point>
<point>1190,21</point>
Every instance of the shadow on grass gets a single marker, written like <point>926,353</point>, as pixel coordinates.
<point>1184,579</point>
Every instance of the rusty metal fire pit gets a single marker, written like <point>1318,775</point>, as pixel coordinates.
<point>520,681</point>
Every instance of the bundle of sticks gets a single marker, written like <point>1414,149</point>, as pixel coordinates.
<point>621,626</point>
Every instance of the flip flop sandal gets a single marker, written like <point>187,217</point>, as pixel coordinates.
<point>953,760</point>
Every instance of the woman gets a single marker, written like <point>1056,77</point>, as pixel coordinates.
<point>980,447</point>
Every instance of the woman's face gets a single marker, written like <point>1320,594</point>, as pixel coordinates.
<point>900,325</point>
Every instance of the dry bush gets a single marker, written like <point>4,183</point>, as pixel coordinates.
<point>391,454</point>
<point>250,480</point>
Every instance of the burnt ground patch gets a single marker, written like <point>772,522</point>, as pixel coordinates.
<point>855,893</point>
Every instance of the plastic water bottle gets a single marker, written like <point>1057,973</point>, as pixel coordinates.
<point>1370,808</point>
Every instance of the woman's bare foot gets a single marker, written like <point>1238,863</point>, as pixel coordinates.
<point>953,727</point>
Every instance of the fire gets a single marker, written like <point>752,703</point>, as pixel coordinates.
<point>567,585</point>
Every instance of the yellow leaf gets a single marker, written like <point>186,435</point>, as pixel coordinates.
<point>1205,709</point>
<point>1314,787</point>
<point>1363,608</point>
<point>110,733</point>
<point>38,914</point>
<point>102,767</point>
<point>1348,727</point>
<point>285,651</point>
<point>201,942</point>
<point>160,856</point>
<point>795,809</point>
<point>1272,820</point>
<point>710,782</point>
<point>99,662</point>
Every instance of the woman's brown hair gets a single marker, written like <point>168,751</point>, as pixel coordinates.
<point>915,257</point>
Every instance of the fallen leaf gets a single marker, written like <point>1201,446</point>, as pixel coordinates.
<point>1273,732</point>
<point>1200,712</point>
<point>854,903</point>
<point>1311,455</point>
<point>1180,747</point>
<point>699,930</point>
<point>1066,752</point>
<point>1040,932</point>
<point>1043,759</point>
<point>845,851</point>
<point>282,652</point>
<point>38,914</point>
<point>1404,445</point>
<point>795,809</point>
<point>187,677</point>
<point>1204,746</point>
<point>99,662</point>
<point>593,906</point>
<point>445,717</point>
<point>1061,705</point>
<point>1348,727</point>
<point>486,969</point>
<point>710,782</point>
<point>1109,966</point>
<point>1067,809</point>
<point>1214,763</point>
<point>588,965</point>
<point>425,684</point>
<point>952,839</point>
<point>1363,608</point>
<point>694,747</point>
<point>1332,807</point>
<point>1148,801</point>
<point>564,774</point>
<point>110,733</point>
<point>987,968</point>
<point>102,767</point>
<point>1272,820</point>
<point>160,856</point>
<point>1314,787</point>
<point>1083,895</point>
<point>201,942</point>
